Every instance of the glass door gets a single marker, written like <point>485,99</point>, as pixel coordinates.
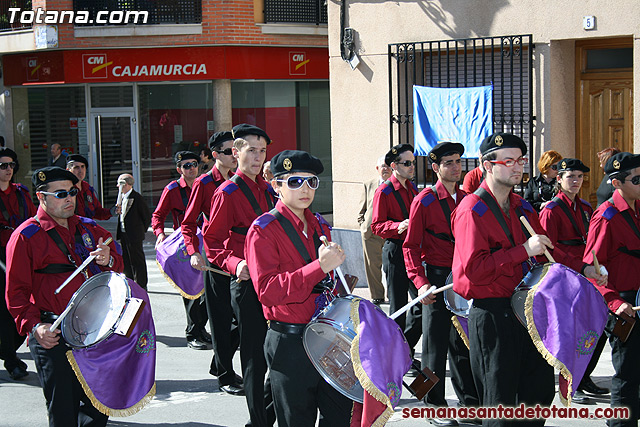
<point>115,153</point>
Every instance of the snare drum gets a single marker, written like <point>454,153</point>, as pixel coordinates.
<point>455,303</point>
<point>98,306</point>
<point>327,340</point>
<point>519,297</point>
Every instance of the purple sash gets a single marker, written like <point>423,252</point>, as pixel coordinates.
<point>380,356</point>
<point>174,262</point>
<point>566,316</point>
<point>118,374</point>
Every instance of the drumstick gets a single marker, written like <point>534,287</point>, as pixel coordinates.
<point>418,298</point>
<point>66,311</point>
<point>532,232</point>
<point>338,269</point>
<point>596,264</point>
<point>215,270</point>
<point>79,269</point>
<point>636,308</point>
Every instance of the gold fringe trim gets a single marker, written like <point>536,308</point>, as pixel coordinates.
<point>460,329</point>
<point>537,341</point>
<point>172,283</point>
<point>98,405</point>
<point>362,376</point>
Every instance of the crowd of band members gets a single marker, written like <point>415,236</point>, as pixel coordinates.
<point>409,234</point>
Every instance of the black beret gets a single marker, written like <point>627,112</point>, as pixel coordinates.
<point>502,140</point>
<point>185,155</point>
<point>244,129</point>
<point>8,152</point>
<point>290,161</point>
<point>445,149</point>
<point>77,158</point>
<point>52,174</point>
<point>395,151</point>
<point>621,162</point>
<point>571,165</point>
<point>219,138</point>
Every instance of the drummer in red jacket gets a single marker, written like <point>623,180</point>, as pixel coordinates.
<point>566,220</point>
<point>286,278</point>
<point>614,235</point>
<point>489,260</point>
<point>87,203</point>
<point>37,265</point>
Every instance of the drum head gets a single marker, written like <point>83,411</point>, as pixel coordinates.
<point>97,307</point>
<point>519,297</point>
<point>327,341</point>
<point>455,303</point>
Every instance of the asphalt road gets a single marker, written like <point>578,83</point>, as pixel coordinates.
<point>187,395</point>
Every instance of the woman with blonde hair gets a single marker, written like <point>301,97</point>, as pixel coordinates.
<point>541,189</point>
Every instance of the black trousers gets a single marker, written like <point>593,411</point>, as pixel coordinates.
<point>398,284</point>
<point>507,368</point>
<point>224,333</point>
<point>196,311</point>
<point>298,389</point>
<point>625,383</point>
<point>440,337</point>
<point>253,329</point>
<point>10,340</point>
<point>62,391</point>
<point>135,265</point>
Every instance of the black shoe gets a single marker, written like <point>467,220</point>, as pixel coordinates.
<point>378,301</point>
<point>18,373</point>
<point>590,387</point>
<point>443,422</point>
<point>233,389</point>
<point>580,397</point>
<point>205,336</point>
<point>239,379</point>
<point>196,344</point>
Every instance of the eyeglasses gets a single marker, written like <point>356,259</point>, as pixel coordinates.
<point>635,180</point>
<point>62,194</point>
<point>11,165</point>
<point>407,163</point>
<point>189,165</point>
<point>510,163</point>
<point>295,182</point>
<point>226,151</point>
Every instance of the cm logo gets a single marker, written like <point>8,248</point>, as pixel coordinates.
<point>95,66</point>
<point>298,63</point>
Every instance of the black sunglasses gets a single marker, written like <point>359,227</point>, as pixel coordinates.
<point>226,151</point>
<point>635,180</point>
<point>407,163</point>
<point>11,165</point>
<point>189,165</point>
<point>62,194</point>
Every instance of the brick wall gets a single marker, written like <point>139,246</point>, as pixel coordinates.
<point>223,22</point>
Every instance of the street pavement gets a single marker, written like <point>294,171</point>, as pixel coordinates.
<point>187,395</point>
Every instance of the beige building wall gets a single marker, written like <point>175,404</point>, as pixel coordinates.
<point>360,98</point>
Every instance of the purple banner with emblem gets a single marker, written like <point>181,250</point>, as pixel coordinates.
<point>174,262</point>
<point>118,374</point>
<point>381,357</point>
<point>566,316</point>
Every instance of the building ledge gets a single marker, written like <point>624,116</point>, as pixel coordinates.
<point>17,41</point>
<point>138,30</point>
<point>297,29</point>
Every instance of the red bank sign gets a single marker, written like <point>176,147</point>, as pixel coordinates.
<point>166,64</point>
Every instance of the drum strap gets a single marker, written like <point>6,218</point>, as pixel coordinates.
<point>572,219</point>
<point>184,197</point>
<point>497,213</point>
<point>627,217</point>
<point>446,210</point>
<point>403,207</point>
<point>249,195</point>
<point>60,268</point>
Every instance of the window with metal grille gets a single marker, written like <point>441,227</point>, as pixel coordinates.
<point>295,11</point>
<point>160,11</point>
<point>505,62</point>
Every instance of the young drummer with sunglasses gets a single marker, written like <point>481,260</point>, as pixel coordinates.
<point>285,279</point>
<point>16,207</point>
<point>174,199</point>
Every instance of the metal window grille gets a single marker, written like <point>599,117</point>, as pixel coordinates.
<point>160,11</point>
<point>298,11</point>
<point>5,15</point>
<point>505,61</point>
